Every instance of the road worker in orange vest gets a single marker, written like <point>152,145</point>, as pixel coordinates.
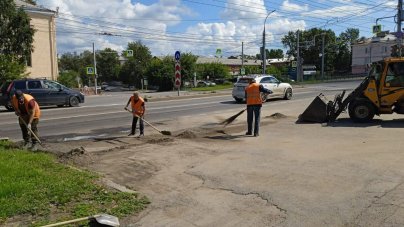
<point>28,112</point>
<point>254,103</point>
<point>138,110</point>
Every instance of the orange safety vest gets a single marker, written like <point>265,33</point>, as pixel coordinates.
<point>253,94</point>
<point>27,99</point>
<point>137,107</point>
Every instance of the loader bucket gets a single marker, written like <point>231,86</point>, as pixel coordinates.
<point>316,111</point>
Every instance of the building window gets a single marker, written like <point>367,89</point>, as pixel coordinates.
<point>366,50</point>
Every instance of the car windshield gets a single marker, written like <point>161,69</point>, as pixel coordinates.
<point>244,80</point>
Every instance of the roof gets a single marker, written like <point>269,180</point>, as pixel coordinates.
<point>388,38</point>
<point>225,61</point>
<point>33,8</point>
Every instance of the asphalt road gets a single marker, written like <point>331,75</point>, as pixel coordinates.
<point>104,115</point>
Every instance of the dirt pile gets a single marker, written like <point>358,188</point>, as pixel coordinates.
<point>160,140</point>
<point>277,116</point>
<point>187,134</point>
<point>76,155</point>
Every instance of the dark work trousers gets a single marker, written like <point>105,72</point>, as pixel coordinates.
<point>253,111</point>
<point>141,125</point>
<point>27,135</point>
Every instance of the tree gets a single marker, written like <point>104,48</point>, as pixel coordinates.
<point>68,78</point>
<point>160,73</point>
<point>343,57</point>
<point>136,66</point>
<point>275,53</point>
<point>310,42</point>
<point>188,65</point>
<point>108,65</point>
<point>16,38</point>
<point>214,70</point>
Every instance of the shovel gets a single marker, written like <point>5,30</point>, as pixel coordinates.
<point>30,130</point>
<point>167,133</point>
<point>103,219</point>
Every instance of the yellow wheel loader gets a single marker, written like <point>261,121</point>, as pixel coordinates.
<point>381,92</point>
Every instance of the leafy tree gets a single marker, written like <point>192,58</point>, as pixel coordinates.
<point>161,73</point>
<point>188,65</point>
<point>16,38</point>
<point>135,67</point>
<point>214,70</point>
<point>10,68</point>
<point>68,78</point>
<point>343,53</point>
<point>70,61</point>
<point>108,65</point>
<point>310,42</point>
<point>275,53</point>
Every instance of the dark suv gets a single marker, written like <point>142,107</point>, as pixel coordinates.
<point>45,92</point>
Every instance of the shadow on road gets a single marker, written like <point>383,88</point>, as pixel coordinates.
<point>348,123</point>
<point>225,137</point>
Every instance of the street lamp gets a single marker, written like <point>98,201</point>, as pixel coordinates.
<point>264,54</point>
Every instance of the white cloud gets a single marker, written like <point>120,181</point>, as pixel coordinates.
<point>288,6</point>
<point>338,11</point>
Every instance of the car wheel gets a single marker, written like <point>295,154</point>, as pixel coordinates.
<point>73,101</point>
<point>238,100</point>
<point>288,94</point>
<point>9,107</point>
<point>361,111</point>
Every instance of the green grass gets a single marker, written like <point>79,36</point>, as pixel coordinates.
<point>213,88</point>
<point>35,184</point>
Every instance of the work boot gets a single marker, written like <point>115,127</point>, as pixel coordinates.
<point>140,135</point>
<point>26,145</point>
<point>248,134</point>
<point>34,147</point>
<point>131,134</point>
<point>256,134</point>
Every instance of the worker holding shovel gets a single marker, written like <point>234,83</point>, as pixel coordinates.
<point>138,111</point>
<point>254,104</point>
<point>28,112</point>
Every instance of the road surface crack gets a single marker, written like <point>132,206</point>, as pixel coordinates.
<point>236,192</point>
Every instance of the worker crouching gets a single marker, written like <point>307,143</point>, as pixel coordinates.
<point>28,112</point>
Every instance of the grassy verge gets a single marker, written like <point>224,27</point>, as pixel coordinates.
<point>36,186</point>
<point>213,88</point>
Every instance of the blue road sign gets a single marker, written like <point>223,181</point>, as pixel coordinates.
<point>177,55</point>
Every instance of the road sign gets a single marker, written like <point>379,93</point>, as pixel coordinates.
<point>177,75</point>
<point>129,53</point>
<point>294,64</point>
<point>242,71</point>
<point>218,52</point>
<point>177,55</point>
<point>376,28</point>
<point>90,70</point>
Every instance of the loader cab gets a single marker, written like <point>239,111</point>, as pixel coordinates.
<point>376,72</point>
<point>395,75</point>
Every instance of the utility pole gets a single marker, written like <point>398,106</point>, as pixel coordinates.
<point>298,76</point>
<point>242,55</point>
<point>95,71</point>
<point>264,54</point>
<point>399,32</point>
<point>322,57</point>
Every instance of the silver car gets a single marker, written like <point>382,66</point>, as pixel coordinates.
<point>279,89</point>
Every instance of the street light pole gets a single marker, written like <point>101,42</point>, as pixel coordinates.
<point>264,54</point>
<point>95,70</point>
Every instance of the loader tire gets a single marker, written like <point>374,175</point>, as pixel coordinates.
<point>361,111</point>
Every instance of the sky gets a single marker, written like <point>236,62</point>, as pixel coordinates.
<point>203,26</point>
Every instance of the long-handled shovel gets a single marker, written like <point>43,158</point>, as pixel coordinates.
<point>30,130</point>
<point>232,118</point>
<point>103,219</point>
<point>167,133</point>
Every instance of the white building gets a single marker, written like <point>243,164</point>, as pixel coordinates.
<point>371,50</point>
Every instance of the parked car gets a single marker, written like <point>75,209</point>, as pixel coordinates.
<point>279,89</point>
<point>205,83</point>
<point>45,92</point>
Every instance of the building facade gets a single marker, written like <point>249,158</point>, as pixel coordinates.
<point>43,62</point>
<point>371,50</point>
